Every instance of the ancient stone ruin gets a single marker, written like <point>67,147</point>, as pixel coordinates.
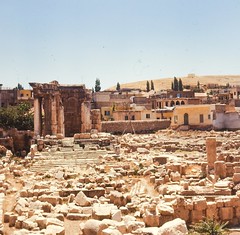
<point>98,183</point>
<point>61,109</point>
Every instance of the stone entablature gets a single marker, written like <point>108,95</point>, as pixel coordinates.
<point>61,109</point>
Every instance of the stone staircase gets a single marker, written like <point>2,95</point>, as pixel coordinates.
<point>66,158</point>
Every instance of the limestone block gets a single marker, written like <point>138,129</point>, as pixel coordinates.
<point>87,210</point>
<point>54,230</point>
<point>82,200</point>
<point>147,231</point>
<point>6,217</point>
<point>236,178</point>
<point>160,159</point>
<point>200,203</point>
<point>237,211</point>
<point>220,169</point>
<point>226,213</point>
<point>42,222</point>
<point>219,203</point>
<point>78,216</point>
<point>150,219</point>
<point>175,176</point>
<point>118,198</point>
<point>29,224</point>
<point>91,227</point>
<point>12,220</point>
<point>197,215</point>
<point>19,222</point>
<point>152,179</point>
<point>236,169</point>
<point>165,209</point>
<point>142,150</point>
<point>134,225</point>
<point>103,211</point>
<point>46,207</point>
<point>23,193</point>
<point>211,211</point>
<point>82,136</point>
<point>116,215</point>
<point>54,221</point>
<point>182,213</point>
<point>54,200</point>
<point>188,204</point>
<point>111,231</point>
<point>176,226</point>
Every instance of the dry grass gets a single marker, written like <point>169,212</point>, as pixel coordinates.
<point>165,83</point>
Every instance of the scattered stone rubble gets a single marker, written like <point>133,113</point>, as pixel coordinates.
<point>102,184</point>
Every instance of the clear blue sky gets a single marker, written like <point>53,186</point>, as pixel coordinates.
<point>77,41</point>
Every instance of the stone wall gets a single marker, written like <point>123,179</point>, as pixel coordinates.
<point>139,126</point>
<point>16,141</point>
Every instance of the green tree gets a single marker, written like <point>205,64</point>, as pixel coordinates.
<point>19,117</point>
<point>180,85</point>
<point>147,86</point>
<point>152,85</point>
<point>175,84</point>
<point>198,85</point>
<point>97,85</point>
<point>118,88</point>
<point>19,87</point>
<point>172,86</point>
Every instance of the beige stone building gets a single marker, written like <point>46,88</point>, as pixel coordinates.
<point>194,116</point>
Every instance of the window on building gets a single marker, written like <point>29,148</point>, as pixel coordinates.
<point>201,118</point>
<point>209,116</point>
<point>107,113</point>
<point>147,115</point>
<point>133,117</point>
<point>126,117</point>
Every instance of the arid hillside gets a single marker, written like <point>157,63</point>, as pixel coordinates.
<point>165,83</point>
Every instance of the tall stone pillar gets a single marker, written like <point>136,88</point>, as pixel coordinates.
<point>211,146</point>
<point>53,116</point>
<point>37,116</point>
<point>60,117</point>
<point>86,125</point>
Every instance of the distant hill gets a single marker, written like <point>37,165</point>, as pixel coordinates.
<point>191,79</point>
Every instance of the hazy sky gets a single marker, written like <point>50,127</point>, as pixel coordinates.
<point>76,41</point>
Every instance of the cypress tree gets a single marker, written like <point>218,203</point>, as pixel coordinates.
<point>152,85</point>
<point>180,85</point>
<point>148,86</point>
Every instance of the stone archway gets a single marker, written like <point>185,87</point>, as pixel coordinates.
<point>172,103</point>
<point>182,102</point>
<point>177,103</point>
<point>186,119</point>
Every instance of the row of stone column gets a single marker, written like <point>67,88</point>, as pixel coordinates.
<point>53,112</point>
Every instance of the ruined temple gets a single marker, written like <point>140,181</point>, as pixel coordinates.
<point>61,109</point>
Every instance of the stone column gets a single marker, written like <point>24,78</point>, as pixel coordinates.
<point>61,129</point>
<point>37,117</point>
<point>211,146</point>
<point>53,116</point>
<point>86,125</point>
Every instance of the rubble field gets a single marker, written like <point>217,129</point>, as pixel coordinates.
<point>103,184</point>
